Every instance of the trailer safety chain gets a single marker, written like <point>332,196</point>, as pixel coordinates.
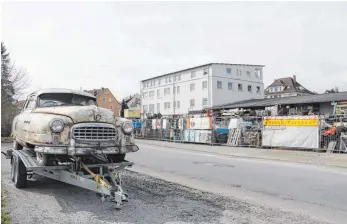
<point>97,178</point>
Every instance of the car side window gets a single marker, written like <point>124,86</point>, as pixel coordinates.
<point>31,103</point>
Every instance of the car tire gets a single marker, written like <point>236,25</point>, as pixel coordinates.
<point>116,158</point>
<point>16,145</point>
<point>19,173</point>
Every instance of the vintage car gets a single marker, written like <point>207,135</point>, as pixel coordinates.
<point>60,124</point>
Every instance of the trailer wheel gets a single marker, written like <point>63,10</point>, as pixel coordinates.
<point>12,168</point>
<point>19,173</point>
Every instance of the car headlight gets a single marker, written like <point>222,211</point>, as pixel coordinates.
<point>56,125</point>
<point>127,127</point>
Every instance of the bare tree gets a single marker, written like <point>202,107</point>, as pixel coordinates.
<point>333,90</point>
<point>20,81</point>
<point>13,82</point>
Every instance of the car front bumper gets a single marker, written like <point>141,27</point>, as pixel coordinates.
<point>77,149</point>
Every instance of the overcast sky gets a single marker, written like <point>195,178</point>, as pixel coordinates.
<point>116,44</point>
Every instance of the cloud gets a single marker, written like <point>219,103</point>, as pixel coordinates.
<point>117,44</point>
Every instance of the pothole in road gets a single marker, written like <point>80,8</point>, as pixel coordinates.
<point>214,164</point>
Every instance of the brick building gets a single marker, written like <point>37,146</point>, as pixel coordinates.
<point>106,99</point>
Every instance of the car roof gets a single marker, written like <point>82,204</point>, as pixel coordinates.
<point>61,90</point>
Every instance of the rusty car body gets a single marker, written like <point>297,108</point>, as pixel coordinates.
<point>57,124</point>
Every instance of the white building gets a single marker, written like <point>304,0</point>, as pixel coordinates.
<point>201,87</point>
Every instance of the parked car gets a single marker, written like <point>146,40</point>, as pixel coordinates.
<point>59,124</point>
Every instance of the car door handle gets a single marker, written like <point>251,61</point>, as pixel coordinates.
<point>26,122</point>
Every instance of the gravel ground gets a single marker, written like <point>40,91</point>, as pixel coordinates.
<point>151,201</point>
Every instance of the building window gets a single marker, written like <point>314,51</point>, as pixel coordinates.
<point>258,73</point>
<point>219,84</point>
<point>258,89</point>
<point>178,90</point>
<point>248,73</point>
<point>239,87</point>
<point>166,91</point>
<point>170,80</point>
<point>166,80</point>
<point>104,99</point>
<point>192,102</point>
<point>249,88</point>
<point>111,107</point>
<point>178,77</point>
<point>192,74</point>
<point>228,70</point>
<point>230,86</point>
<point>204,101</point>
<point>204,84</point>
<point>145,95</point>
<point>167,105</point>
<point>109,100</point>
<point>205,71</point>
<point>158,93</point>
<point>192,87</point>
<point>151,108</point>
<point>176,104</point>
<point>107,92</point>
<point>151,94</point>
<point>159,81</point>
<point>145,108</point>
<point>174,78</point>
<point>158,107</point>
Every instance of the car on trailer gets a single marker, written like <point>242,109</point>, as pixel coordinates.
<point>62,134</point>
<point>58,123</point>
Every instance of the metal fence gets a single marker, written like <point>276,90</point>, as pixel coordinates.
<point>247,132</point>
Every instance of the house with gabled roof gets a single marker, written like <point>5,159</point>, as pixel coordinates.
<point>105,99</point>
<point>285,87</point>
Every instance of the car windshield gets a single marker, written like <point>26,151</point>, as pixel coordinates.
<point>64,99</point>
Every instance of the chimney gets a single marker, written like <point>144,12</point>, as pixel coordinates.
<point>294,78</point>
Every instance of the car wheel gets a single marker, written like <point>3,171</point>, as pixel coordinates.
<point>20,173</point>
<point>116,158</point>
<point>16,145</point>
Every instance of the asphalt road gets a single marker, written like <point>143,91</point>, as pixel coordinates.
<point>315,191</point>
<point>236,198</point>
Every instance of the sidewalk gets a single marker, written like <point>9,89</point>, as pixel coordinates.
<point>323,159</point>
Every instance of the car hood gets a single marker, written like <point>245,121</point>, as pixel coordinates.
<point>80,114</point>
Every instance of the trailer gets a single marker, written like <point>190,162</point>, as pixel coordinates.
<point>102,178</point>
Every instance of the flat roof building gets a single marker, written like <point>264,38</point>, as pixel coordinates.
<point>201,87</point>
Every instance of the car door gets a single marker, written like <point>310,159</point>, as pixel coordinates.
<point>22,123</point>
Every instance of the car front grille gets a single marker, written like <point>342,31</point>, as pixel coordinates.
<point>94,132</point>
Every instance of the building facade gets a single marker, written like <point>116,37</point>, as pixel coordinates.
<point>285,87</point>
<point>201,87</point>
<point>133,101</point>
<point>105,99</point>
